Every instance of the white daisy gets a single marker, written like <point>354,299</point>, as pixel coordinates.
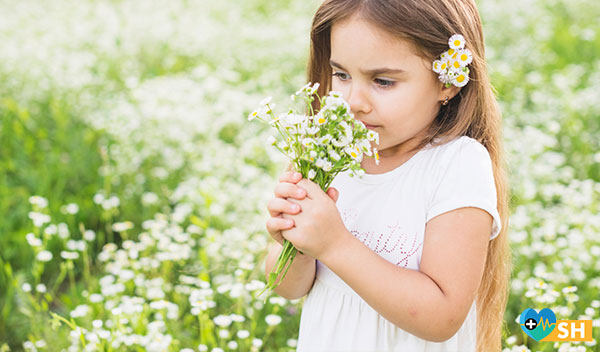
<point>373,136</point>
<point>274,120</point>
<point>293,130</point>
<point>326,139</point>
<point>313,90</point>
<point>328,166</point>
<point>320,119</point>
<point>335,94</point>
<point>464,57</point>
<point>253,115</point>
<point>266,100</point>
<point>347,129</point>
<point>455,64</point>
<point>437,66</point>
<point>365,147</point>
<point>342,142</point>
<point>294,119</point>
<point>461,79</point>
<point>456,41</point>
<point>335,156</point>
<point>312,130</point>
<point>376,156</point>
<point>311,174</point>
<point>283,145</point>
<point>308,142</point>
<point>304,88</point>
<point>354,152</point>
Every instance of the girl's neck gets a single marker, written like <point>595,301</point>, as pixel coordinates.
<point>388,161</point>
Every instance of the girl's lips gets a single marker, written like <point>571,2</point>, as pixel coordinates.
<point>369,126</point>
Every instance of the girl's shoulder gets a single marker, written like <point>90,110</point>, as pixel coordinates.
<point>457,145</point>
<point>457,141</point>
<point>459,151</point>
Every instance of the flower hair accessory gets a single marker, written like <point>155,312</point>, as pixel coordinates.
<point>452,65</point>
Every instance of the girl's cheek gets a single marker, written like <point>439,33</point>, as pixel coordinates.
<point>335,85</point>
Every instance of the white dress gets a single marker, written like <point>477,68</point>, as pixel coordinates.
<point>388,213</point>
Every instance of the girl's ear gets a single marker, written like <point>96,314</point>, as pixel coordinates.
<point>449,92</point>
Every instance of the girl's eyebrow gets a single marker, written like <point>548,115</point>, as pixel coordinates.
<point>375,71</point>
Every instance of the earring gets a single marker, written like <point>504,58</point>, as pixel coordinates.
<point>445,102</point>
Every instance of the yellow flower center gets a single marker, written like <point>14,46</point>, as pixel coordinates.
<point>464,57</point>
<point>444,66</point>
<point>353,154</point>
<point>457,42</point>
<point>456,64</point>
<point>450,51</point>
<point>460,78</point>
<point>321,120</point>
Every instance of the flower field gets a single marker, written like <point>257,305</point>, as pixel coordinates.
<point>133,189</point>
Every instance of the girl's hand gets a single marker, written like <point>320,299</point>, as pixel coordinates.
<point>319,226</point>
<point>285,190</point>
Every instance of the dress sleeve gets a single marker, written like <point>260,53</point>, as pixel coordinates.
<point>467,181</point>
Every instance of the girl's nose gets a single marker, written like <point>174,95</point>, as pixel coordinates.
<point>358,100</point>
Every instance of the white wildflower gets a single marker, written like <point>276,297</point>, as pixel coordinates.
<point>273,319</point>
<point>39,201</point>
<point>89,235</point>
<point>222,320</point>
<point>44,256</point>
<point>266,100</point>
<point>232,345</point>
<point>122,226</point>
<point>33,241</point>
<point>243,334</point>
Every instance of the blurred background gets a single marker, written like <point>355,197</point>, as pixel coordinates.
<point>133,189</point>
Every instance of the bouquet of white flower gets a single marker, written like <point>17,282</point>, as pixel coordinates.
<point>319,145</point>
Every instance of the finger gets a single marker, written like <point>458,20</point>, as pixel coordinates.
<point>275,225</point>
<point>333,193</point>
<point>290,176</point>
<point>276,206</point>
<point>286,189</point>
<point>312,189</point>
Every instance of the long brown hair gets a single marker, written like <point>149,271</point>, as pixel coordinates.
<point>474,112</point>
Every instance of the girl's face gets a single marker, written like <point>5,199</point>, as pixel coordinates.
<point>386,84</point>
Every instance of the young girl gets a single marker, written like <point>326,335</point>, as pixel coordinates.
<point>413,256</point>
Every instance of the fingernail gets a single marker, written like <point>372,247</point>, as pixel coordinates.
<point>300,192</point>
<point>297,175</point>
<point>288,222</point>
<point>295,207</point>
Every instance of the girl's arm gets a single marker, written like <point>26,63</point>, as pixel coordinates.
<point>299,278</point>
<point>433,302</point>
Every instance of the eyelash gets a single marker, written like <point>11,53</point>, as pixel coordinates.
<point>386,83</point>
